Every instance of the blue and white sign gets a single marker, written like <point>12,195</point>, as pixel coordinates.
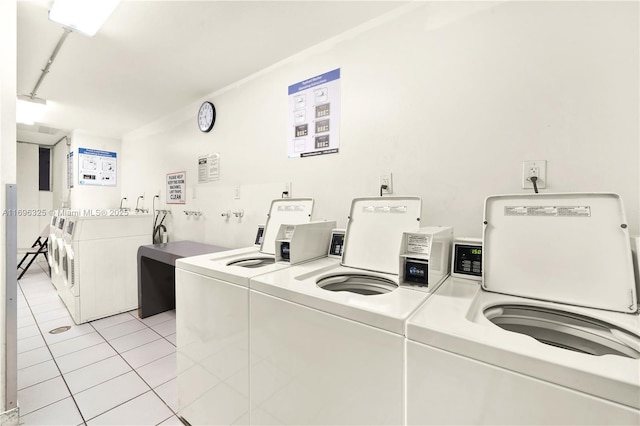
<point>70,170</point>
<point>314,116</point>
<point>96,167</point>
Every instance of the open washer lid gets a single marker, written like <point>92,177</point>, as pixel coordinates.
<point>565,248</point>
<point>374,231</point>
<point>286,211</point>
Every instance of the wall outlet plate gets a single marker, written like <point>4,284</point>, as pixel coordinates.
<point>286,190</point>
<point>534,168</point>
<point>387,179</point>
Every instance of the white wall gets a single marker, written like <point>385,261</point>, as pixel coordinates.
<point>7,165</point>
<point>450,97</point>
<point>90,196</point>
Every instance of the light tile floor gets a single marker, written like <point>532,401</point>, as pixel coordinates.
<point>119,370</point>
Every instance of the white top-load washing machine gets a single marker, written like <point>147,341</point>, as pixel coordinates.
<point>551,336</point>
<point>99,264</point>
<point>327,339</point>
<point>212,313</point>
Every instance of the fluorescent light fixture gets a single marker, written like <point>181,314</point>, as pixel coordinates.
<point>29,110</point>
<point>84,16</point>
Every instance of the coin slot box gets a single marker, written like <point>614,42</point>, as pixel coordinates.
<point>303,242</point>
<point>425,257</point>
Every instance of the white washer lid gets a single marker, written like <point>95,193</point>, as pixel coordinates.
<point>566,248</point>
<point>289,211</point>
<point>374,231</point>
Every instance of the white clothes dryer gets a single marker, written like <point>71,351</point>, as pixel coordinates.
<point>212,321</point>
<point>98,256</point>
<point>58,250</point>
<point>51,244</point>
<point>336,357</point>
<point>551,336</point>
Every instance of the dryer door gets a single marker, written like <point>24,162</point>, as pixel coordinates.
<point>51,248</point>
<point>69,271</point>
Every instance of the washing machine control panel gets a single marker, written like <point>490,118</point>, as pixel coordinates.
<point>70,228</point>
<point>467,259</point>
<point>336,245</point>
<point>61,223</point>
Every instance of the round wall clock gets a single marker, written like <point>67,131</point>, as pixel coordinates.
<point>206,116</point>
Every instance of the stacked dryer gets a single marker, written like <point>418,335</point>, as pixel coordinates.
<point>553,334</point>
<point>98,264</point>
<point>58,251</point>
<point>51,244</point>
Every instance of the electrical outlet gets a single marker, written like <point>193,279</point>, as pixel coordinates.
<point>537,168</point>
<point>286,190</point>
<point>386,180</point>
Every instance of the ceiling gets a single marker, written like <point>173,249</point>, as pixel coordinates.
<point>152,58</point>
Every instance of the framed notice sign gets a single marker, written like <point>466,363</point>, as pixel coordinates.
<point>314,116</point>
<point>96,167</point>
<point>176,187</point>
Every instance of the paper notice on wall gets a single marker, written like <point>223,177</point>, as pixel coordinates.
<point>176,187</point>
<point>208,168</point>
<point>314,116</point>
<point>96,167</point>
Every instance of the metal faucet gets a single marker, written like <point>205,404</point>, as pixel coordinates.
<point>121,201</point>
<point>138,210</point>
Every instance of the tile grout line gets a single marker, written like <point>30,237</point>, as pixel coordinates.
<point>141,378</point>
<point>84,421</point>
<point>53,358</point>
<point>117,354</point>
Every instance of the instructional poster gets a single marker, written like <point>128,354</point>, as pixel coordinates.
<point>314,116</point>
<point>208,168</point>
<point>96,167</point>
<point>176,187</point>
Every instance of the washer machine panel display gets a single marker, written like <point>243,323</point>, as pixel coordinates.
<point>468,260</point>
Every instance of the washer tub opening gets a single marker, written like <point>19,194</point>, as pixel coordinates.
<point>253,262</point>
<point>367,285</point>
<point>566,330</point>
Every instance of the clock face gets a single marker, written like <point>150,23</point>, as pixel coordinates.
<point>206,116</point>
